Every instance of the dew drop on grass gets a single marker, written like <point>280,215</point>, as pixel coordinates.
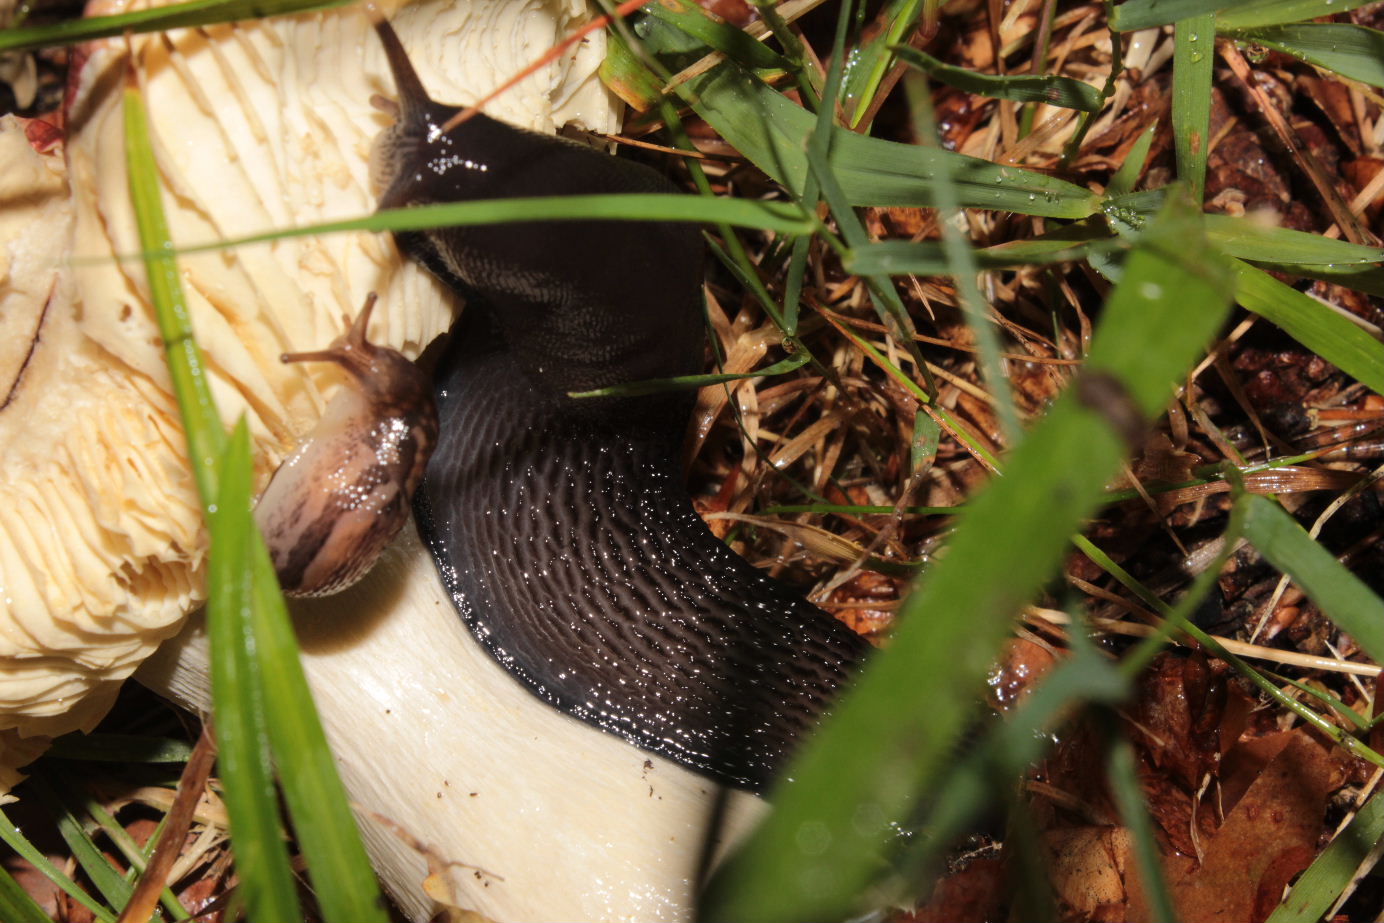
<point>1151,290</point>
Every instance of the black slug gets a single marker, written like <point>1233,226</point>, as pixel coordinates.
<point>561,526</point>
<point>338,500</point>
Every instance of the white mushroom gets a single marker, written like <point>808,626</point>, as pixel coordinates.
<point>101,547</point>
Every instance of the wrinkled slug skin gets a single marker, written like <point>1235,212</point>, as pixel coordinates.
<point>561,526</point>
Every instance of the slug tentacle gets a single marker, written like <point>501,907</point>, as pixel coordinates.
<point>336,502</point>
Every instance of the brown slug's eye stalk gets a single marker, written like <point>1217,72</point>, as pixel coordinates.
<point>334,505</point>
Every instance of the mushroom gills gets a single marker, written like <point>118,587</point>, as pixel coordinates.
<point>560,526</point>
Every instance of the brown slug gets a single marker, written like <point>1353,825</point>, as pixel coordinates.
<point>339,499</point>
<point>561,527</point>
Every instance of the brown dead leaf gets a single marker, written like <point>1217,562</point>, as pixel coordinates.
<point>1088,869</point>
<point>1181,719</point>
<point>1269,836</point>
<point>973,895</point>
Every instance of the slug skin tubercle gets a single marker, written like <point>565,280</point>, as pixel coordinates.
<point>342,496</point>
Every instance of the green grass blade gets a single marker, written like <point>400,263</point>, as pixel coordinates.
<point>892,734</point>
<point>119,748</point>
<point>237,697</point>
<point>1249,240</point>
<point>1230,14</point>
<point>1354,52</point>
<point>1367,279</point>
<point>16,840</point>
<point>1177,617</point>
<point>16,906</point>
<point>772,131</point>
<point>1125,178</point>
<point>719,36</point>
<point>927,257</point>
<point>1344,598</point>
<point>243,755</point>
<point>1194,52</point>
<point>686,382</point>
<point>1129,799</point>
<point>1357,720</point>
<point>871,59</point>
<point>186,366</point>
<point>173,16</point>
<point>782,217</point>
<point>1312,324</point>
<point>822,179</point>
<point>107,878</point>
<point>1066,92</point>
<point>964,271</point>
<point>137,857</point>
<point>1316,890</point>
<point>1010,749</point>
<point>1249,14</point>
<point>326,830</point>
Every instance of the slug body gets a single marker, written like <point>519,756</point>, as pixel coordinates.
<point>339,499</point>
<point>560,526</point>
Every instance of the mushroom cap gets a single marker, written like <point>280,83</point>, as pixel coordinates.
<point>256,126</point>
<point>102,549</point>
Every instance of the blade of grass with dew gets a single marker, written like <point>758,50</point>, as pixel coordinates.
<point>1354,52</point>
<point>238,703</point>
<point>1328,875</point>
<point>16,840</point>
<point>871,59</point>
<point>1249,240</point>
<point>893,733</point>
<point>772,132</point>
<point>16,906</point>
<point>688,382</point>
<point>1066,92</point>
<point>119,748</point>
<point>1315,325</point>
<point>1194,53</point>
<point>1230,14</point>
<point>926,257</point>
<point>98,869</point>
<point>794,54</point>
<point>1342,596</point>
<point>173,16</point>
<point>781,217</point>
<point>1250,14</point>
<point>717,35</point>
